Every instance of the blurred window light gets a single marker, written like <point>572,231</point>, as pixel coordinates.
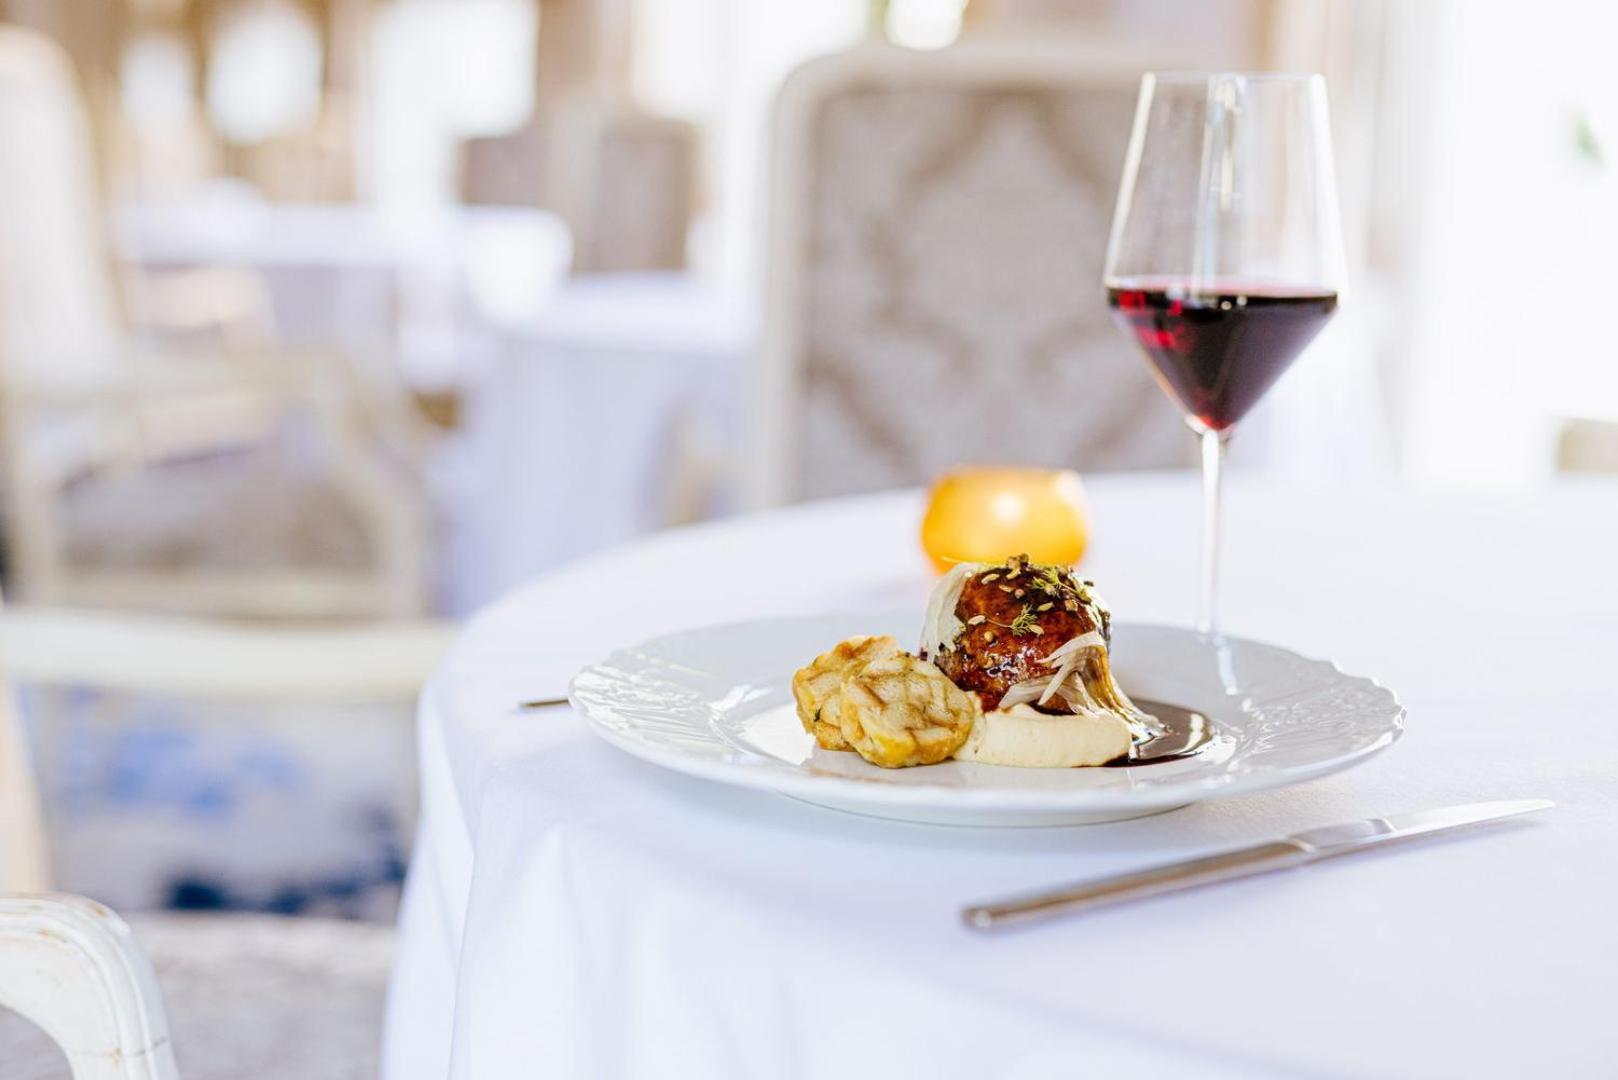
<point>1514,201</point>
<point>924,24</point>
<point>155,80</point>
<point>264,77</point>
<point>441,71</point>
<point>473,58</point>
<point>763,44</point>
<point>677,56</point>
<point>490,52</point>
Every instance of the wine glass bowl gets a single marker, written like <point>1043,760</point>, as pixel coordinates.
<point>1225,258</point>
<point>1217,350</point>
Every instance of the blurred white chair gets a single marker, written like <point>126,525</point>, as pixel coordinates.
<point>24,866</point>
<point>241,996</point>
<point>236,984</point>
<point>938,223</point>
<point>1587,446</point>
<point>72,967</point>
<point>253,482</point>
<point>624,181</point>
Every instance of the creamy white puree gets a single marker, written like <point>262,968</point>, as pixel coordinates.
<point>1024,736</point>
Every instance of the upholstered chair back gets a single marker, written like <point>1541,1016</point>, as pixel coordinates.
<point>939,227</point>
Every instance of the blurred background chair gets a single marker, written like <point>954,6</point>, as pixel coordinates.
<point>237,985</point>
<point>1587,446</point>
<point>24,864</point>
<point>935,218</point>
<point>72,967</point>
<point>240,990</point>
<point>216,479</point>
<point>623,180</point>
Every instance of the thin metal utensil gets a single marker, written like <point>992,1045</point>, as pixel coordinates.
<point>1295,850</point>
<point>541,703</point>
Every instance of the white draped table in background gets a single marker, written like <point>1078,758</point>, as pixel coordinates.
<point>575,913</point>
<point>602,418</point>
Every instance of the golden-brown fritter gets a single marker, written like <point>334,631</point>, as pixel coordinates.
<point>814,686</point>
<point>901,710</point>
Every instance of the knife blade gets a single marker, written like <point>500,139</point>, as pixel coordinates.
<point>1298,849</point>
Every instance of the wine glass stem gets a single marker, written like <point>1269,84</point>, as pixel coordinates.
<point>1213,465</point>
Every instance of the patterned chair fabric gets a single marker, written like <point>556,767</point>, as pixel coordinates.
<point>952,310</point>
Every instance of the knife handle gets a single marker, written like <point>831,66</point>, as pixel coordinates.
<point>1225,866</point>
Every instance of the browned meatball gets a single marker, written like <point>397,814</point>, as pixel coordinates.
<point>1015,615</point>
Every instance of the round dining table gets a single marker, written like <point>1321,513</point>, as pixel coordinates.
<point>574,912</point>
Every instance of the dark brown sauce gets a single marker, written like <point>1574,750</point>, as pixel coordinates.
<point>1184,734</point>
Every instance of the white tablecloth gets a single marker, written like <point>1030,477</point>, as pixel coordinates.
<point>573,912</point>
<point>602,418</point>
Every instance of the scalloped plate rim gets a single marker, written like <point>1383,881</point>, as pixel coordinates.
<point>762,772</point>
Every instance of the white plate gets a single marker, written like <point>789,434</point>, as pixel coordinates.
<point>716,703</point>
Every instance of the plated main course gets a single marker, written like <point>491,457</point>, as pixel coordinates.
<point>1013,668</point>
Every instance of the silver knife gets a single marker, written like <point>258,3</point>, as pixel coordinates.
<point>1294,850</point>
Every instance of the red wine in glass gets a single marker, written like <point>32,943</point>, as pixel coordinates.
<point>1218,346</point>
<point>1226,255</point>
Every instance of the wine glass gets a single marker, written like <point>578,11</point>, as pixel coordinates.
<point>1226,256</point>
